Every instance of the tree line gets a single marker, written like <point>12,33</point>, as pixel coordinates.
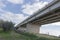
<point>6,25</point>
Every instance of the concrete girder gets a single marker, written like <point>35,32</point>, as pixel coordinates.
<point>51,19</point>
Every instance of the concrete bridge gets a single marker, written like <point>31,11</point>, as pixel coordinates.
<point>49,14</point>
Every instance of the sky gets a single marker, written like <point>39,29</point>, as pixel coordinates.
<point>19,10</point>
<point>51,29</point>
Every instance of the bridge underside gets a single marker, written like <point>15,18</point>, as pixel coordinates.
<point>34,26</point>
<point>50,15</point>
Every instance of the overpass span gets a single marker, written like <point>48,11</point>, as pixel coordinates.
<point>49,14</point>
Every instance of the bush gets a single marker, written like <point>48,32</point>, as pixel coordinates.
<point>6,25</point>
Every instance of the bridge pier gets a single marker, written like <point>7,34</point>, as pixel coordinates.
<point>32,28</point>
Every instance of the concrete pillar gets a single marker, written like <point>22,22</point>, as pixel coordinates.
<point>33,28</point>
<point>22,28</point>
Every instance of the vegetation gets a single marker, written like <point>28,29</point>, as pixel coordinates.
<point>6,25</point>
<point>25,36</point>
<point>35,37</point>
<point>7,34</point>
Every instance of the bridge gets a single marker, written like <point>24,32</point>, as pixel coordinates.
<point>49,14</point>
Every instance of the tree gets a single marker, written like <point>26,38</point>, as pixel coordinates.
<point>7,26</point>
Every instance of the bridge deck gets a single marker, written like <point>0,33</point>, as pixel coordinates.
<point>52,7</point>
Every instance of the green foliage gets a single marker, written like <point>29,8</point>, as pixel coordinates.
<point>22,36</point>
<point>34,37</point>
<point>6,25</point>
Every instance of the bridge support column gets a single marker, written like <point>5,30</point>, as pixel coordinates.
<point>33,28</point>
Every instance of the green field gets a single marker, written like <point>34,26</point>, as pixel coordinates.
<point>23,36</point>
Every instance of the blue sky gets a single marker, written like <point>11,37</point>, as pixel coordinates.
<point>18,10</point>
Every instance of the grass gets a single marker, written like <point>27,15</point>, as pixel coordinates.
<point>12,36</point>
<point>35,37</point>
<point>22,36</point>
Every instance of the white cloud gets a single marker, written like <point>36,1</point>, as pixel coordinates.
<point>51,32</point>
<point>16,1</point>
<point>9,16</point>
<point>37,0</point>
<point>2,4</point>
<point>52,28</point>
<point>30,9</point>
<point>56,23</point>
